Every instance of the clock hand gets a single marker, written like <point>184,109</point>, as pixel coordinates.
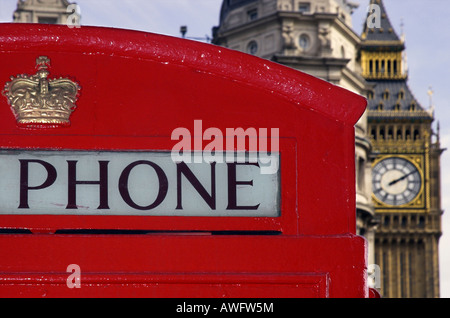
<point>401,178</point>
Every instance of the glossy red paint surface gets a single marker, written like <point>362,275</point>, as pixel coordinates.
<point>136,89</point>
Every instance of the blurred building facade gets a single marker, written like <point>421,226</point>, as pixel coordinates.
<point>43,11</point>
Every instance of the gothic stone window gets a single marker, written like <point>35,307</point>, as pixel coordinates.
<point>252,47</point>
<point>252,14</point>
<point>304,41</point>
<point>304,7</point>
<point>48,20</point>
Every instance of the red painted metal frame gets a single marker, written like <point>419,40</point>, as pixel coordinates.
<point>136,88</point>
<point>186,266</point>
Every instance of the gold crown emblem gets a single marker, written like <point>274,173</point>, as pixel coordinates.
<point>38,101</point>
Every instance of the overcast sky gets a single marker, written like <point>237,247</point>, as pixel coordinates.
<point>426,26</point>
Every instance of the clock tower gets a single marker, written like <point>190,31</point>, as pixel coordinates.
<point>406,166</point>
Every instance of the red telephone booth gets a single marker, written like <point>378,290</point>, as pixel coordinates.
<point>140,165</point>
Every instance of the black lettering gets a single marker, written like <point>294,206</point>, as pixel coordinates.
<point>210,199</point>
<point>125,193</point>
<point>73,182</point>
<point>232,187</point>
<point>24,186</point>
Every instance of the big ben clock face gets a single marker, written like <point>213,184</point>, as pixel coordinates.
<point>396,181</point>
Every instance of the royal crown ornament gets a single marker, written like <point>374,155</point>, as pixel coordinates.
<point>38,101</point>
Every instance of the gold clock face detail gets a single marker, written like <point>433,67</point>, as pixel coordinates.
<point>396,181</point>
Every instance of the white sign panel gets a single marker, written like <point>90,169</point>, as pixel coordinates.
<point>132,183</point>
